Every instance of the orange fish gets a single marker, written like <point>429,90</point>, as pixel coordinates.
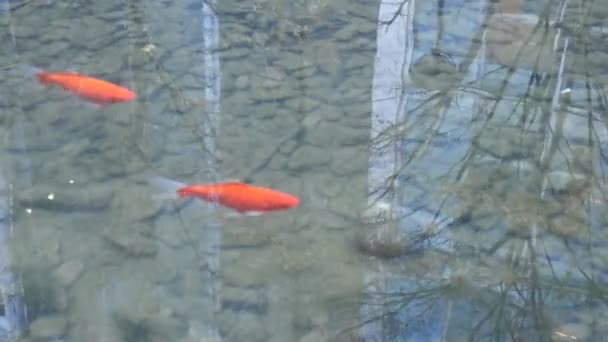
<point>241,197</point>
<point>97,91</point>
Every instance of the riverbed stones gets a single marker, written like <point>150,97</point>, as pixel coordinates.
<point>131,242</point>
<point>48,327</point>
<point>327,220</point>
<point>337,280</point>
<point>242,82</point>
<point>279,94</point>
<point>250,271</point>
<point>245,237</point>
<point>272,77</point>
<point>169,232</point>
<point>63,198</point>
<point>278,162</point>
<point>348,161</point>
<point>244,299</point>
<point>47,239</point>
<point>308,314</point>
<point>294,261</point>
<point>134,202</point>
<point>311,120</point>
<point>323,134</point>
<point>329,186</point>
<point>199,332</point>
<point>243,326</point>
<point>314,336</point>
<point>308,157</point>
<point>259,257</point>
<point>302,104</point>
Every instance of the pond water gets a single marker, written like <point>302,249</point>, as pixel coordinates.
<point>449,158</point>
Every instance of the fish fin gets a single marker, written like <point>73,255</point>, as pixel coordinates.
<point>165,188</point>
<point>28,70</point>
<point>23,71</point>
<point>43,78</point>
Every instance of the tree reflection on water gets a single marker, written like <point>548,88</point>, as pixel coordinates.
<point>503,140</point>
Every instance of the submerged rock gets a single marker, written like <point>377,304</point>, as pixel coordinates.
<point>69,272</point>
<point>435,71</point>
<point>384,242</point>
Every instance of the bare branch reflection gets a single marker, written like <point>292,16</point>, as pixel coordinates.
<point>500,149</point>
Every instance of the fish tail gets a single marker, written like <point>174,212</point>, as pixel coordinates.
<point>23,70</point>
<point>44,78</point>
<point>165,188</point>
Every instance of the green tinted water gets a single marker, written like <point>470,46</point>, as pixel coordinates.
<point>449,158</point>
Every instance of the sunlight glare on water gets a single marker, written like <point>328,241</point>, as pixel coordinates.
<point>447,157</point>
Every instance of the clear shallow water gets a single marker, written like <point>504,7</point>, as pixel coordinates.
<point>449,159</point>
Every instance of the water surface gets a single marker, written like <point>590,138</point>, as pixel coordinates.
<point>449,158</point>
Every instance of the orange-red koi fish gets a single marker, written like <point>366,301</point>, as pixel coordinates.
<point>241,197</point>
<point>97,91</point>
